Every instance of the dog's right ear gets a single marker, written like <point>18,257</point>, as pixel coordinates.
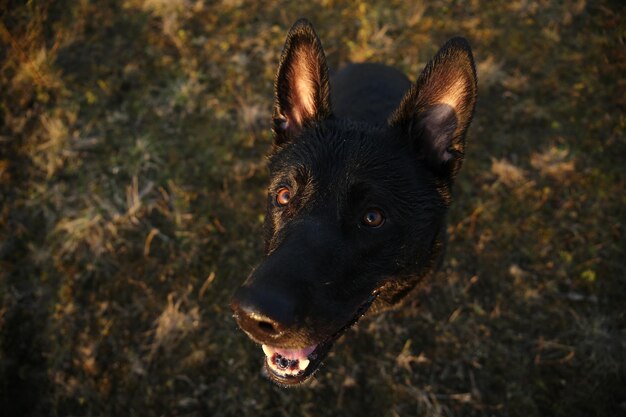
<point>301,89</point>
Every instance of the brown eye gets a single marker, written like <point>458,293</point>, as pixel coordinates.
<point>373,217</point>
<point>283,196</point>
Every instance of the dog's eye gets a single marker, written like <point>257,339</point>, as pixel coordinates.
<point>373,217</point>
<point>283,196</point>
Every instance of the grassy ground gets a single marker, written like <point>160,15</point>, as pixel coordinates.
<point>132,177</point>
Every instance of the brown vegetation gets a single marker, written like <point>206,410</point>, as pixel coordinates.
<point>132,177</point>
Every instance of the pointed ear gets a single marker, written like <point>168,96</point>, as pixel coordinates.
<point>437,110</point>
<point>301,89</point>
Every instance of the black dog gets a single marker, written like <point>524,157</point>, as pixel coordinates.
<point>358,196</point>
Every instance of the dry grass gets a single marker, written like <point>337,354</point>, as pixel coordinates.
<point>132,181</point>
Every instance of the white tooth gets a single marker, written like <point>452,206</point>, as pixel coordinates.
<point>303,363</point>
<point>268,351</point>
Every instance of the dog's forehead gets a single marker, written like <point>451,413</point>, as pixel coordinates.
<point>347,154</point>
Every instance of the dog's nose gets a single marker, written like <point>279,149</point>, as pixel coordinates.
<point>260,326</point>
<point>264,314</point>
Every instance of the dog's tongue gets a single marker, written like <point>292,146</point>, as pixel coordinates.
<point>288,361</point>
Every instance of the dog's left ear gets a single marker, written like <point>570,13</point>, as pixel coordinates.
<point>301,89</point>
<point>437,110</point>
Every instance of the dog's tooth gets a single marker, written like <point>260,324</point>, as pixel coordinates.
<point>268,351</point>
<point>303,363</point>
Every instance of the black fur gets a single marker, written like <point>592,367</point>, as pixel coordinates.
<point>384,147</point>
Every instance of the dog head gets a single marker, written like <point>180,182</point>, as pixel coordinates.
<point>355,211</point>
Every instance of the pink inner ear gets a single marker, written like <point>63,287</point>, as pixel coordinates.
<point>453,94</point>
<point>304,82</point>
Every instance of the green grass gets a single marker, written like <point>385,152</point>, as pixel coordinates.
<point>132,179</point>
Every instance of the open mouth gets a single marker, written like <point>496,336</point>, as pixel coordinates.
<point>295,366</point>
<point>292,366</point>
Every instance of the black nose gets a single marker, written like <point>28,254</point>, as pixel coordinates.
<point>265,314</point>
